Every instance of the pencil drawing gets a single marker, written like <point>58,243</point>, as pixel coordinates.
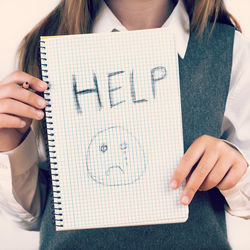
<point>115,157</point>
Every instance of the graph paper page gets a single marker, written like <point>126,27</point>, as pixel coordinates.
<point>117,129</point>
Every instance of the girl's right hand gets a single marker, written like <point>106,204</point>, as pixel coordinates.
<point>18,107</point>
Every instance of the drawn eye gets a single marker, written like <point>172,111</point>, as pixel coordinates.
<point>123,146</point>
<point>103,148</point>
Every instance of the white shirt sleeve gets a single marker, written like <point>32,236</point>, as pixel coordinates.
<point>19,189</point>
<point>236,124</point>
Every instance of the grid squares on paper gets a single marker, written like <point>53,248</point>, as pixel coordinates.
<point>100,197</point>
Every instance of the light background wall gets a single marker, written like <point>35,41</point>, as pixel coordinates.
<point>16,19</point>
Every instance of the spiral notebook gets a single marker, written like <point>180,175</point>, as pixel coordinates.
<point>114,128</point>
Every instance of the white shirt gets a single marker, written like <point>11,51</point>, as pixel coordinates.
<point>20,194</point>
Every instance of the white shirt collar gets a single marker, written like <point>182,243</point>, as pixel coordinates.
<point>178,23</point>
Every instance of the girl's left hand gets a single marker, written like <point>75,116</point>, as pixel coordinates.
<point>209,162</point>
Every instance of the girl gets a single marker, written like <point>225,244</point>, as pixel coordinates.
<point>214,128</point>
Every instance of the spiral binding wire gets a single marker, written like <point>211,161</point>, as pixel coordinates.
<point>51,147</point>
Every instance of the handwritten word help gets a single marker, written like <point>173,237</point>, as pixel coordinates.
<point>157,74</point>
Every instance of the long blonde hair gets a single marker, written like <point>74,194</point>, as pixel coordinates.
<point>77,17</point>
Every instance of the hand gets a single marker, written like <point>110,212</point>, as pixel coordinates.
<point>209,162</point>
<point>18,106</point>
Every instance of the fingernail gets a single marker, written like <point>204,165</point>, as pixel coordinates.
<point>23,124</point>
<point>43,84</point>
<point>39,114</point>
<point>41,102</point>
<point>173,184</point>
<point>185,200</point>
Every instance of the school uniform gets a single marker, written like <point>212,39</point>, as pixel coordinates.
<point>204,91</point>
<point>207,95</point>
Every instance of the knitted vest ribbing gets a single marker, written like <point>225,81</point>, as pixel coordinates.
<point>204,77</point>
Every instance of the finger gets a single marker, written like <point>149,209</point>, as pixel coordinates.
<point>18,93</point>
<point>233,176</point>
<point>197,177</point>
<point>20,77</point>
<point>216,175</point>
<point>9,121</point>
<point>13,107</point>
<point>190,158</point>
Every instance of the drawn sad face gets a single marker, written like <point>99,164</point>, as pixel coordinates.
<point>115,157</point>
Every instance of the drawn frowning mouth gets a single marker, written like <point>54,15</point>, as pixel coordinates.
<point>114,167</point>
